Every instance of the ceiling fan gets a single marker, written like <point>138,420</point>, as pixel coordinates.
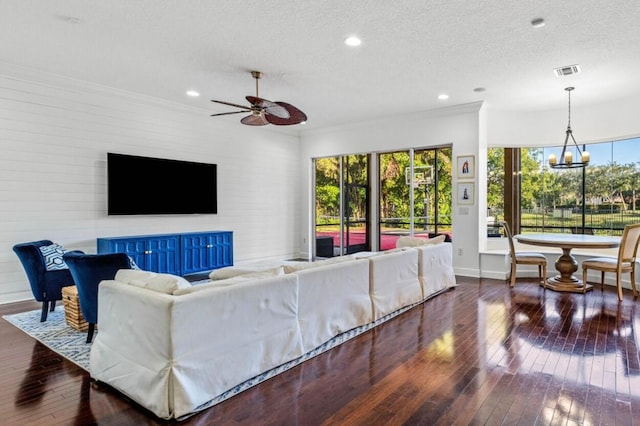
<point>265,112</point>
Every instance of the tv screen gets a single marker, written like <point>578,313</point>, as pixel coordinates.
<point>144,185</point>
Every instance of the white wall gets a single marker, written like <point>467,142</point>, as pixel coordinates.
<point>54,136</point>
<point>609,121</point>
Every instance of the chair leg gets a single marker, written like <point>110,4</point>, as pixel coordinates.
<point>541,274</point>
<point>92,328</point>
<point>544,276</point>
<point>633,281</point>
<point>513,275</point>
<point>52,305</point>
<point>601,280</point>
<point>619,285</point>
<point>45,311</point>
<point>584,280</point>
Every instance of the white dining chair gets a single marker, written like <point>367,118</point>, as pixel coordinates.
<point>524,258</point>
<point>625,262</point>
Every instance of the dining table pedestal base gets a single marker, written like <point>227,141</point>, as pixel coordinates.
<point>556,283</point>
<point>567,265</point>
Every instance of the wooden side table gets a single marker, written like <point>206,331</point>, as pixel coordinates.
<point>72,312</point>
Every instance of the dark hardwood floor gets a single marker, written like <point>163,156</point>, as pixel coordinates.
<point>480,354</point>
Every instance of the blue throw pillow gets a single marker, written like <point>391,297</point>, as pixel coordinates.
<point>53,257</point>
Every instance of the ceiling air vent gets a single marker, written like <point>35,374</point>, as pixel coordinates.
<point>567,70</point>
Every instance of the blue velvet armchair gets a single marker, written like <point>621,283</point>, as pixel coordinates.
<point>46,283</point>
<point>88,270</point>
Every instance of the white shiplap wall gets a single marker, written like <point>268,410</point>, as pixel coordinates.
<point>54,136</point>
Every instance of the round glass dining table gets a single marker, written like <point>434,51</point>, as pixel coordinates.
<point>566,264</point>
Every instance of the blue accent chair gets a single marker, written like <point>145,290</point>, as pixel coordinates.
<point>88,270</point>
<point>46,286</point>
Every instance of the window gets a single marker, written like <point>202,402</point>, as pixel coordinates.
<point>342,203</point>
<point>345,200</point>
<point>426,210</point>
<point>599,199</point>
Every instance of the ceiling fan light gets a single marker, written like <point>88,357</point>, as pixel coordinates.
<point>566,160</point>
<point>254,120</point>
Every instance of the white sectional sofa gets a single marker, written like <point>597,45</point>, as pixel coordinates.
<point>177,349</point>
<point>394,281</point>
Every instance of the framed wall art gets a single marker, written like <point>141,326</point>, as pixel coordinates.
<point>465,193</point>
<point>466,167</point>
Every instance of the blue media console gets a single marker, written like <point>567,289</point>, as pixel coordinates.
<point>179,254</point>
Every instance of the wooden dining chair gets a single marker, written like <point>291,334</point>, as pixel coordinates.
<point>625,262</point>
<point>524,258</point>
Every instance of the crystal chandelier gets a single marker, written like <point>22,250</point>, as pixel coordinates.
<point>566,160</point>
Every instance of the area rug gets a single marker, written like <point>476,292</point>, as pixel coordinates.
<point>55,334</point>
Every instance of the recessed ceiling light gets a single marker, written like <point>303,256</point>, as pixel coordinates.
<point>443,97</point>
<point>479,89</point>
<point>537,23</point>
<point>193,93</point>
<point>353,41</point>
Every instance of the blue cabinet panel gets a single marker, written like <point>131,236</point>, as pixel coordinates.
<point>178,254</point>
<point>163,254</point>
<point>206,251</point>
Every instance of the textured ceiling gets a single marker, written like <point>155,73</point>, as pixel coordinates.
<point>412,51</point>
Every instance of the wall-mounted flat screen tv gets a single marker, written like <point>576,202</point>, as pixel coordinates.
<point>147,186</point>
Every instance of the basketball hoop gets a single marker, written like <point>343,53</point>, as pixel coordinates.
<point>422,175</point>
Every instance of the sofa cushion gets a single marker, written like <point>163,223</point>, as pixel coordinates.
<point>163,283</point>
<point>53,257</point>
<point>370,254</point>
<point>234,271</point>
<point>406,241</point>
<point>436,240</point>
<point>300,266</point>
<point>128,275</point>
<point>167,283</point>
<point>274,272</point>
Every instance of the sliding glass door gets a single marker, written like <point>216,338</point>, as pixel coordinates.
<point>341,205</point>
<point>415,194</point>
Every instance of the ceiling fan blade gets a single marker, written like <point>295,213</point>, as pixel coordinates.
<point>228,113</point>
<point>295,116</point>
<point>232,104</point>
<point>265,112</point>
<point>269,107</point>
<point>254,120</point>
